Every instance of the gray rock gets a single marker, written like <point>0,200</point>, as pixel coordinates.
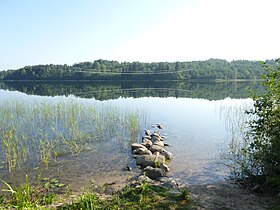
<point>159,126</point>
<point>149,160</point>
<point>127,168</point>
<point>156,148</point>
<point>155,139</point>
<point>156,153</point>
<point>146,137</point>
<point>159,143</point>
<point>167,155</point>
<point>155,134</point>
<point>137,181</point>
<point>147,132</point>
<point>147,143</point>
<point>135,146</point>
<point>143,178</point>
<point>154,173</point>
<point>168,182</point>
<point>141,151</point>
<point>164,167</point>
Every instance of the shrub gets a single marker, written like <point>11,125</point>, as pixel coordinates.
<point>263,136</point>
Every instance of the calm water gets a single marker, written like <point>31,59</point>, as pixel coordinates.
<point>198,122</point>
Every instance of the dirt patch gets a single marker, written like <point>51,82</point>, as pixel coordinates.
<point>226,195</point>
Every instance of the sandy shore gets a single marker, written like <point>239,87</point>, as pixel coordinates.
<point>226,195</point>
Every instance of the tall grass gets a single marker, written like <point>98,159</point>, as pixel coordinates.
<point>27,195</point>
<point>41,130</point>
<point>235,119</point>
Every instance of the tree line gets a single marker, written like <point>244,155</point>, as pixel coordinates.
<point>212,69</point>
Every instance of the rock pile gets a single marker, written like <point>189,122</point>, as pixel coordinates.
<point>151,155</point>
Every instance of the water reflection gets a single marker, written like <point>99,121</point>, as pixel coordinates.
<point>114,90</point>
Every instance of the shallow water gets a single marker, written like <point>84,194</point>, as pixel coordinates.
<point>198,130</point>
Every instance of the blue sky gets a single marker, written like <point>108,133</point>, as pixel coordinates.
<point>67,31</point>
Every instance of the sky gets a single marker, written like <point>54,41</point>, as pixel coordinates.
<point>70,31</point>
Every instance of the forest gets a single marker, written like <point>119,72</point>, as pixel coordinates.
<point>212,69</point>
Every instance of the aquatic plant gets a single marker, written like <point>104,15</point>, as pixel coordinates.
<point>234,156</point>
<point>43,130</point>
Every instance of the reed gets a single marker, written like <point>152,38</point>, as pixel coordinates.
<point>236,158</point>
<point>42,130</point>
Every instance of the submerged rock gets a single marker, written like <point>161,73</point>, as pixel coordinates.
<point>159,126</point>
<point>154,173</point>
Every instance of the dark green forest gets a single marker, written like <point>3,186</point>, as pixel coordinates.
<point>212,69</point>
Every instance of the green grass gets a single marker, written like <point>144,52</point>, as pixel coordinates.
<point>25,197</point>
<point>41,196</point>
<point>144,196</point>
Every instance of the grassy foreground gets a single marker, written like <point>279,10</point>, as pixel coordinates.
<point>143,196</point>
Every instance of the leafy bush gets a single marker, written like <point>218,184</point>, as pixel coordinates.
<point>263,137</point>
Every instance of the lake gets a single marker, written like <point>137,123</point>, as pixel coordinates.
<point>200,120</point>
